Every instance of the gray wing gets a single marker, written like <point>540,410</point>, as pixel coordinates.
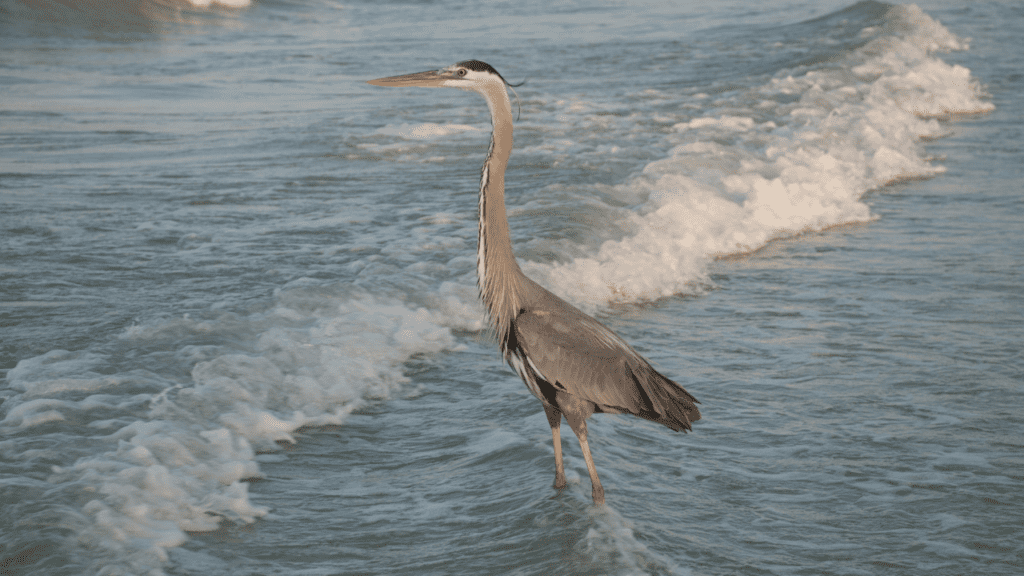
<point>580,356</point>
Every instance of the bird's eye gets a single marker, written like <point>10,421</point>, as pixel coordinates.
<point>461,72</point>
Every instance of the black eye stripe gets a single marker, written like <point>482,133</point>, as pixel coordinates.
<point>478,66</point>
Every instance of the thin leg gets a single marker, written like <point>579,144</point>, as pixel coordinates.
<point>579,427</point>
<point>555,421</point>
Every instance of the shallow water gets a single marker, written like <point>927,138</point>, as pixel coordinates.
<point>239,323</point>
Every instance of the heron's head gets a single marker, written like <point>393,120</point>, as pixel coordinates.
<point>468,75</point>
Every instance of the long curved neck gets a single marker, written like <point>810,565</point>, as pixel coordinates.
<point>498,275</point>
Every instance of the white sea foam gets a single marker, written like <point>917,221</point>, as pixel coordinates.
<point>225,3</point>
<point>180,462</point>
<point>611,542</point>
<point>425,131</point>
<point>409,142</point>
<point>733,182</point>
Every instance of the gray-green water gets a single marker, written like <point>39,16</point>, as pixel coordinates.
<point>239,322</point>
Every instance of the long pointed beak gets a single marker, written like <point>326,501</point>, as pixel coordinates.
<point>428,79</point>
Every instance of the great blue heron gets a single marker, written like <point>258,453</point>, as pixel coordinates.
<point>570,361</point>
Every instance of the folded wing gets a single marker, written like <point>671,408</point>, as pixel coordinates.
<point>580,356</point>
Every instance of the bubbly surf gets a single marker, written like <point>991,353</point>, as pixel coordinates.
<point>795,155</point>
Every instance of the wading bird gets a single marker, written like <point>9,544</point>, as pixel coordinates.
<point>571,362</point>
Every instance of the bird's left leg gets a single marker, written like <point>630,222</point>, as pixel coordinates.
<point>555,421</point>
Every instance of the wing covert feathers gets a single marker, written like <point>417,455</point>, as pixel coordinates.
<point>579,355</point>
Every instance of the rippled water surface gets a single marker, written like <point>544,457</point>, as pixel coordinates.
<point>239,329</point>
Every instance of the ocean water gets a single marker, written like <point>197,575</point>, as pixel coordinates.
<point>239,329</point>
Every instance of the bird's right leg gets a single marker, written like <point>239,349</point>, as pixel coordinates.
<point>555,421</point>
<point>579,426</point>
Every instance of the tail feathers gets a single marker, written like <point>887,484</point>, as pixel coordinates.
<point>668,403</point>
